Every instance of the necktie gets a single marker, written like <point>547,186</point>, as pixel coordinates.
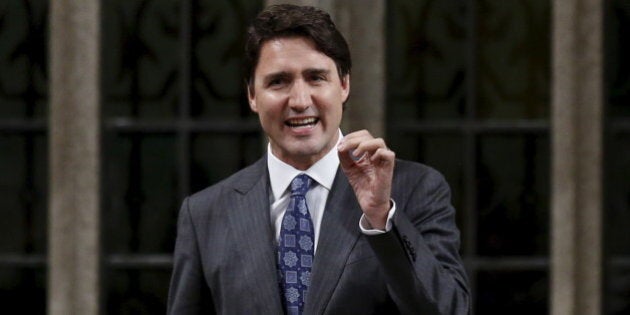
<point>295,248</point>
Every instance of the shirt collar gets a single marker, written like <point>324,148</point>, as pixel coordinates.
<point>281,174</point>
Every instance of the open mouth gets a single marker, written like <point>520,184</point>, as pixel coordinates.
<point>301,122</point>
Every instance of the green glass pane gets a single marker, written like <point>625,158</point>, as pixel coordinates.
<point>512,292</point>
<point>218,45</point>
<point>136,291</point>
<point>215,157</point>
<point>513,195</point>
<point>141,53</point>
<point>140,194</point>
<point>617,291</point>
<point>617,71</point>
<point>23,58</point>
<point>23,191</point>
<point>617,196</point>
<point>426,59</point>
<point>513,59</point>
<point>23,290</point>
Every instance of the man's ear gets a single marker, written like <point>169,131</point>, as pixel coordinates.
<point>251,98</point>
<point>345,87</point>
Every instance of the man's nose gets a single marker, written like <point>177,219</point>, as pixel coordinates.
<point>300,98</point>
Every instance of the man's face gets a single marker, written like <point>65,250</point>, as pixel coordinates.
<point>298,96</point>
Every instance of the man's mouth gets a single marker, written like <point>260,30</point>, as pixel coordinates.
<point>301,122</point>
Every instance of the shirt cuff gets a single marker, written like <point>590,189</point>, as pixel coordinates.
<point>367,229</point>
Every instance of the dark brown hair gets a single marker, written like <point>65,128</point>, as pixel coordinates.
<point>285,20</point>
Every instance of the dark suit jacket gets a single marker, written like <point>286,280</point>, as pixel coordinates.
<point>225,253</point>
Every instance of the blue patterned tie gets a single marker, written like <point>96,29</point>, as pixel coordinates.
<point>295,248</point>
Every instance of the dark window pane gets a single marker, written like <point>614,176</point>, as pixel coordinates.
<point>617,195</point>
<point>148,166</point>
<point>426,59</point>
<point>514,293</point>
<point>617,298</point>
<point>141,193</point>
<point>141,54</point>
<point>513,66</point>
<point>136,291</point>
<point>23,58</point>
<point>617,62</point>
<point>216,75</point>
<point>513,195</point>
<point>23,165</point>
<point>23,155</point>
<point>23,290</point>
<point>617,164</point>
<point>215,157</point>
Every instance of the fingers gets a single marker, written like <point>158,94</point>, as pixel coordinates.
<point>345,157</point>
<point>383,156</point>
<point>361,145</point>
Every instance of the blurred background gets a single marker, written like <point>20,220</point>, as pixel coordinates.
<point>467,90</point>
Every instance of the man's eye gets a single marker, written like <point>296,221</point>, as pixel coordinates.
<point>275,82</point>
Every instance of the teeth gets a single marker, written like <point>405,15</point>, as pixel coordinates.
<point>301,122</point>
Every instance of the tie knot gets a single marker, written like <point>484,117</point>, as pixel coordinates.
<point>300,185</point>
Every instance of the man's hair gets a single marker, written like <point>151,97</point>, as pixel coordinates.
<point>286,20</point>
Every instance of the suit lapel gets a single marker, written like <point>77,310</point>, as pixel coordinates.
<point>338,233</point>
<point>251,224</point>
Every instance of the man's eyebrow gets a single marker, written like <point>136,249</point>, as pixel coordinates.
<point>276,75</point>
<point>285,74</point>
<point>316,71</point>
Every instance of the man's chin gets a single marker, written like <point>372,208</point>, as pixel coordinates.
<point>307,151</point>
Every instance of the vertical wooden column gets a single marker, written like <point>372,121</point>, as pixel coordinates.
<point>74,145</point>
<point>577,106</point>
<point>362,22</point>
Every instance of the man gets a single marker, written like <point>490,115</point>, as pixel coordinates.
<point>324,223</point>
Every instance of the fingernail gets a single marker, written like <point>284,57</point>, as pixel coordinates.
<point>354,156</point>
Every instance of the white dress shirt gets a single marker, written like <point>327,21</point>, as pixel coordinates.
<point>323,174</point>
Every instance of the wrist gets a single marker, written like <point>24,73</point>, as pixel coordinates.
<point>378,219</point>
<point>377,223</point>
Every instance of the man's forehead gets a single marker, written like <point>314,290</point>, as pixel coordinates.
<point>293,54</point>
<point>282,40</point>
<point>286,45</point>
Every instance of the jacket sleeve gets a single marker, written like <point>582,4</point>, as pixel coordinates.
<point>188,292</point>
<point>419,256</point>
